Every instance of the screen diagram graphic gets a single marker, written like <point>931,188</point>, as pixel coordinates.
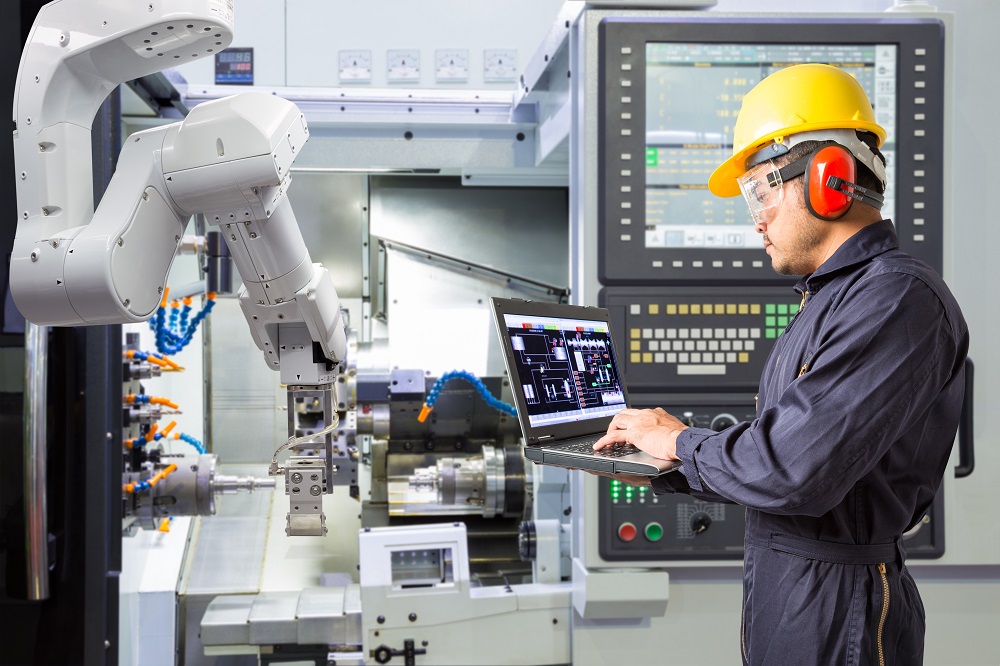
<point>566,369</point>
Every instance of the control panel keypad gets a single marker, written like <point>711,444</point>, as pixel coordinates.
<point>677,339</point>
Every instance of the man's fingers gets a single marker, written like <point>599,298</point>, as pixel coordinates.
<point>612,437</point>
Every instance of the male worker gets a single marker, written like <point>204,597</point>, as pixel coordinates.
<point>859,401</point>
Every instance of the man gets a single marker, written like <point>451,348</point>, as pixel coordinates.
<point>859,400</point>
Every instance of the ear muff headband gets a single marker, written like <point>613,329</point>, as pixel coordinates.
<point>829,186</point>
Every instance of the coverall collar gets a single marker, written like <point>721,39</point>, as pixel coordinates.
<point>869,242</point>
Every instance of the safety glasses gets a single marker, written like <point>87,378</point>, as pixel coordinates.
<point>762,189</point>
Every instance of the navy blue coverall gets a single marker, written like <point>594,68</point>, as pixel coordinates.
<point>858,407</point>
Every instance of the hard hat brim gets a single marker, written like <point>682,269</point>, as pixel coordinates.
<point>723,181</point>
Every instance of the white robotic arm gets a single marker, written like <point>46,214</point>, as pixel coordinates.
<point>229,160</point>
<point>76,54</point>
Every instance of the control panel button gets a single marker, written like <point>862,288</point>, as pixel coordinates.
<point>627,532</point>
<point>722,422</point>
<point>700,522</point>
<point>654,531</point>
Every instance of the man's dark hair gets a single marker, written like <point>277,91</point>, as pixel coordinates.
<point>865,176</point>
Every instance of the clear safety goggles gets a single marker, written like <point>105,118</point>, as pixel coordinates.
<point>762,188</point>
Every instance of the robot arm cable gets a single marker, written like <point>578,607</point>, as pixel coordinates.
<point>274,469</point>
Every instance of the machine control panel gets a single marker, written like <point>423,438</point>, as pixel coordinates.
<point>670,91</point>
<point>637,525</point>
<point>708,338</point>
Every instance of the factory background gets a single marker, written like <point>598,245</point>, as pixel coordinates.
<point>460,151</point>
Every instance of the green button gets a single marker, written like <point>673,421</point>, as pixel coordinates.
<point>654,532</point>
<point>783,308</point>
<point>770,321</point>
<point>770,333</point>
<point>793,308</point>
<point>782,321</point>
<point>769,308</point>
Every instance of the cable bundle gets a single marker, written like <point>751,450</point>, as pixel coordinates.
<point>477,383</point>
<point>175,334</point>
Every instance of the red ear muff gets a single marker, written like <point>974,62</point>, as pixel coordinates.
<point>826,202</point>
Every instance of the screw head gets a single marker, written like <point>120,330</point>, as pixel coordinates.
<point>296,477</point>
<point>121,242</point>
<point>315,490</point>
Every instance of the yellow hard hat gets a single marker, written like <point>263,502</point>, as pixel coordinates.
<point>800,98</point>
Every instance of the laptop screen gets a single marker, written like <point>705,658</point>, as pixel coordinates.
<point>566,368</point>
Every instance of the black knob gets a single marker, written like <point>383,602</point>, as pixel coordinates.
<point>527,541</point>
<point>700,522</point>
<point>383,654</point>
<point>723,421</point>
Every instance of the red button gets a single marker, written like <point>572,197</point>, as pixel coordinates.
<point>627,531</point>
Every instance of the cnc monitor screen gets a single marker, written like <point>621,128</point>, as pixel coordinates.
<point>669,90</point>
<point>693,95</point>
<point>566,368</point>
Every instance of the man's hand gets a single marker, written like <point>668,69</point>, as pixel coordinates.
<point>651,430</point>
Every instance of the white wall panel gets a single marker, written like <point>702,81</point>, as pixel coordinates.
<point>296,42</point>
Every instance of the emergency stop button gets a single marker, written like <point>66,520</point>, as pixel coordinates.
<point>627,532</point>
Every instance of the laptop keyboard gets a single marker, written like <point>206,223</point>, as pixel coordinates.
<point>615,451</point>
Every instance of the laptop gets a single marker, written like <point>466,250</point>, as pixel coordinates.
<point>567,386</point>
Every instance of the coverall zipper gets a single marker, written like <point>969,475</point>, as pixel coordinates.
<point>805,366</point>
<point>802,304</point>
<point>743,633</point>
<point>885,612</point>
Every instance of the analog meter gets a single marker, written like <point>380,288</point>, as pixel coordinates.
<point>356,66</point>
<point>499,65</point>
<point>403,65</point>
<point>451,65</point>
